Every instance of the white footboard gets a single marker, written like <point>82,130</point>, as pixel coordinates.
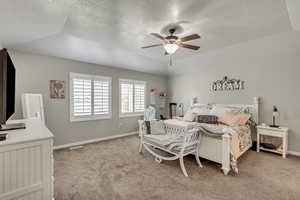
<point>216,149</point>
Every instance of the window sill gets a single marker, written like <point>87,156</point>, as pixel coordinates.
<point>131,115</point>
<point>89,119</point>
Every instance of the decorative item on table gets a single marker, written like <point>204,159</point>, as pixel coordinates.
<point>149,113</point>
<point>227,84</point>
<point>162,117</point>
<point>57,89</point>
<point>162,94</point>
<point>172,110</point>
<point>268,145</point>
<point>275,117</point>
<point>180,110</point>
<point>194,100</point>
<point>152,96</point>
<point>3,136</point>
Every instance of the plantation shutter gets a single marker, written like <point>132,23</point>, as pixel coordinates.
<point>126,96</point>
<point>90,97</point>
<point>139,97</point>
<point>82,96</point>
<point>132,97</point>
<point>102,97</point>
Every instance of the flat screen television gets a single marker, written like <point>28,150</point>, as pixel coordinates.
<point>7,91</point>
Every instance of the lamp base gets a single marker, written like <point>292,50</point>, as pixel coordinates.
<point>274,126</point>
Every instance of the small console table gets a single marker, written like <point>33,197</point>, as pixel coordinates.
<point>281,132</point>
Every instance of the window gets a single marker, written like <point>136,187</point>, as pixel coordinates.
<point>90,97</point>
<point>132,97</point>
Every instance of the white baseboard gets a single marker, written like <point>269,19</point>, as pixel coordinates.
<point>294,153</point>
<point>64,146</point>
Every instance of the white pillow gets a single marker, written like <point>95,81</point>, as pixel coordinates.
<point>203,110</point>
<point>189,116</point>
<point>220,110</point>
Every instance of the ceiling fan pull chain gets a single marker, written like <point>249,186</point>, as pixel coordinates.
<point>170,61</point>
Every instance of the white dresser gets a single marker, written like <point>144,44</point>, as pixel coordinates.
<point>26,163</point>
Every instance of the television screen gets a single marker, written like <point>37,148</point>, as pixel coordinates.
<point>7,87</point>
<point>10,88</point>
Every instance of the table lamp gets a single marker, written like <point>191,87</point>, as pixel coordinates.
<point>275,115</point>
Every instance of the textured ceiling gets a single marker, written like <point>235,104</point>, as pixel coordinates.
<point>111,32</point>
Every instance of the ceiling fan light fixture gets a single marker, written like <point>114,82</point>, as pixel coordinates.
<point>171,48</point>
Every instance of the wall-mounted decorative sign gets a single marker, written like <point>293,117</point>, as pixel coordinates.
<point>57,89</point>
<point>227,84</point>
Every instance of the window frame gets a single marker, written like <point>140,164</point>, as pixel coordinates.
<point>71,96</point>
<point>131,114</point>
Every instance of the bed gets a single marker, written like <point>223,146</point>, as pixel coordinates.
<point>222,148</point>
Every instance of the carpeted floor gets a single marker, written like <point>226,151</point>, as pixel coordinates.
<point>115,170</point>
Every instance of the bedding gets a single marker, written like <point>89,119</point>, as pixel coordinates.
<point>240,136</point>
<point>233,118</point>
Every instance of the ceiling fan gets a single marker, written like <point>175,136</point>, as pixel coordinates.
<point>171,43</point>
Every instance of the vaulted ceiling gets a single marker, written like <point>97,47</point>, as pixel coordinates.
<point>111,32</point>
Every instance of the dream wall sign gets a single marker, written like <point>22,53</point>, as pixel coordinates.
<point>227,84</point>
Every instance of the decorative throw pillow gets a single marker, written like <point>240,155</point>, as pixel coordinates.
<point>189,116</point>
<point>232,118</point>
<point>209,119</point>
<point>243,118</point>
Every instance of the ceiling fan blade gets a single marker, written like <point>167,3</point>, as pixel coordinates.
<point>188,46</point>
<point>190,37</point>
<point>154,45</point>
<point>158,36</point>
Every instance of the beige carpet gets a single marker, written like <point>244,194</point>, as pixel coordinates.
<point>115,170</point>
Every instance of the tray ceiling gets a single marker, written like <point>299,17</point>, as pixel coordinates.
<point>111,32</point>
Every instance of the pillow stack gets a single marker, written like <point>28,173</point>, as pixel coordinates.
<point>230,116</point>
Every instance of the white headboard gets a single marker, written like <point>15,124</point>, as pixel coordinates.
<point>253,109</point>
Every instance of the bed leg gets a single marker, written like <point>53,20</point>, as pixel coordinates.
<point>182,166</point>
<point>226,153</point>
<point>198,159</point>
<point>225,171</point>
<point>140,147</point>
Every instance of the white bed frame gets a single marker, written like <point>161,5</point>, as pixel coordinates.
<point>218,149</point>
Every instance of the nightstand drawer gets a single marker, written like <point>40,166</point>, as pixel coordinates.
<point>270,132</point>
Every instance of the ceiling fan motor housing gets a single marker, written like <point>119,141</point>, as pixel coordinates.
<point>172,38</point>
<point>172,31</point>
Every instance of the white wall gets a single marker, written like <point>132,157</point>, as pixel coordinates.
<point>269,66</point>
<point>293,7</point>
<point>34,73</point>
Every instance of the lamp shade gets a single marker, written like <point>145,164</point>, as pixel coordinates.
<point>171,48</point>
<point>275,111</point>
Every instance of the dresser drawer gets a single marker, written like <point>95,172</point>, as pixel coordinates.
<point>270,132</point>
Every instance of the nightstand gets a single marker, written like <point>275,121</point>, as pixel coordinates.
<point>281,132</point>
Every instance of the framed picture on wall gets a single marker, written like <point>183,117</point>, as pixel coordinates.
<point>57,89</point>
